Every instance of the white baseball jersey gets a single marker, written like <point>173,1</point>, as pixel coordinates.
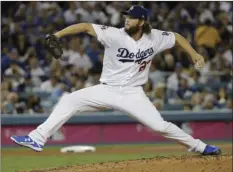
<point>126,61</point>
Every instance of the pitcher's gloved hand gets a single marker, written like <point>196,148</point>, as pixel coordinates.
<point>53,46</point>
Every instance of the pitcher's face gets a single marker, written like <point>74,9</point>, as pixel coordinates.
<point>132,25</point>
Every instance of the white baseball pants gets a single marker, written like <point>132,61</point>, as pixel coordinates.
<point>130,100</point>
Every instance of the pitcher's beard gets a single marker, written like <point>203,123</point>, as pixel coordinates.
<point>131,31</point>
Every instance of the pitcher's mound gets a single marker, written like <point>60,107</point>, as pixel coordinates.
<point>186,163</point>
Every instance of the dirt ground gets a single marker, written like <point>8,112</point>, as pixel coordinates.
<point>161,164</point>
<point>185,163</point>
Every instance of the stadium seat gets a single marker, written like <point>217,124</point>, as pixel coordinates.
<point>173,107</point>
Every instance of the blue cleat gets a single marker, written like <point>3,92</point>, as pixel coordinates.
<point>211,150</point>
<point>27,142</point>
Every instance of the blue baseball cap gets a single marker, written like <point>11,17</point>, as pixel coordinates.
<point>137,11</point>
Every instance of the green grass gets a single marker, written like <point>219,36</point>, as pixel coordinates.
<point>34,161</point>
<point>10,164</point>
<point>30,162</point>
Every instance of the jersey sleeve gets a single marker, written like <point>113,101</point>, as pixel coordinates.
<point>105,34</point>
<point>164,40</point>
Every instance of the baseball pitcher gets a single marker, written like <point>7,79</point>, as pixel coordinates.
<point>127,58</point>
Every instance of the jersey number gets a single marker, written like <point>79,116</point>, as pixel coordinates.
<point>143,65</point>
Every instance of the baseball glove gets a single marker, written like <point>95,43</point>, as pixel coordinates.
<point>53,46</point>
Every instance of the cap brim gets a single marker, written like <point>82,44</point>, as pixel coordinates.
<point>125,12</point>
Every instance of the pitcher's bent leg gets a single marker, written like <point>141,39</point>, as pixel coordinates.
<point>143,110</point>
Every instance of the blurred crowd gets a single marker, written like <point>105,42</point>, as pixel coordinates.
<point>32,81</point>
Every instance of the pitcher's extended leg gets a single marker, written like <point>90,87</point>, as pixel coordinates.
<point>139,107</point>
<point>88,99</point>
